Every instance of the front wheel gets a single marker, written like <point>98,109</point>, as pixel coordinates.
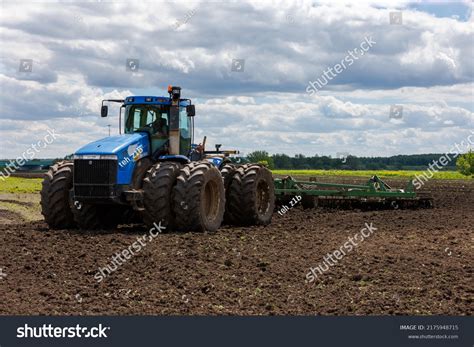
<point>158,188</point>
<point>55,206</point>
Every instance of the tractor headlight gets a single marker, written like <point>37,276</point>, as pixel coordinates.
<point>109,156</point>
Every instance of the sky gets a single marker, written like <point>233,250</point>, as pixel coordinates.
<point>247,66</point>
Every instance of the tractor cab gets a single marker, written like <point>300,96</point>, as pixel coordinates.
<point>152,119</point>
<point>167,121</point>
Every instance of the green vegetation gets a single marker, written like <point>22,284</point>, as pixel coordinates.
<point>33,185</point>
<point>465,164</point>
<point>368,173</point>
<point>20,185</point>
<point>345,161</point>
<point>26,207</point>
<point>261,157</point>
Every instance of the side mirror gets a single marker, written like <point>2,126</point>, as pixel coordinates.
<point>191,110</point>
<point>104,110</point>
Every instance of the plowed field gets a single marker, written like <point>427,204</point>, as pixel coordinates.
<point>416,262</point>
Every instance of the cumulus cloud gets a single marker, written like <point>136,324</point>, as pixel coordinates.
<point>79,51</point>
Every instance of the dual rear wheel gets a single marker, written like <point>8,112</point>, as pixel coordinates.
<point>184,197</point>
<point>250,195</point>
<point>196,196</point>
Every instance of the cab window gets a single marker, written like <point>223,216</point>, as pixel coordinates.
<point>184,123</point>
<point>136,118</point>
<point>184,131</point>
<point>151,118</point>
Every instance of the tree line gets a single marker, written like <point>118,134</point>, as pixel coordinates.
<point>350,162</point>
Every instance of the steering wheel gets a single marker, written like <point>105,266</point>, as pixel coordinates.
<point>149,126</point>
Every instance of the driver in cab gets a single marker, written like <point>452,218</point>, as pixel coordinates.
<point>160,127</point>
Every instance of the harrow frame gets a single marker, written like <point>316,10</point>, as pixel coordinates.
<point>374,188</point>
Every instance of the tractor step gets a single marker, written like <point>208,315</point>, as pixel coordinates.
<point>135,198</point>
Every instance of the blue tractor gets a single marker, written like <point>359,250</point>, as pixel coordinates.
<point>153,172</point>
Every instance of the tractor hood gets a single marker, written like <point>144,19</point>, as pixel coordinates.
<point>115,144</point>
<point>127,148</point>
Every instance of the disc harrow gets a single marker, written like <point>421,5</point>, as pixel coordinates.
<point>375,194</point>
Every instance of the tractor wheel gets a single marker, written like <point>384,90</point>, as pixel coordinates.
<point>92,217</point>
<point>199,197</point>
<point>227,173</point>
<point>252,196</point>
<point>158,186</point>
<point>55,205</point>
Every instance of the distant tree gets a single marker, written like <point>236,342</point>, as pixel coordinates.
<point>465,163</point>
<point>257,155</point>
<point>375,166</point>
<point>352,162</point>
<point>282,161</point>
<point>300,161</point>
<point>261,157</point>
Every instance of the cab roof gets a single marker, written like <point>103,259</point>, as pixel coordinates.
<point>153,100</point>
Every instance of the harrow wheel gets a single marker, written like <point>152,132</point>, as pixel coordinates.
<point>199,197</point>
<point>158,188</point>
<point>251,196</point>
<point>55,204</point>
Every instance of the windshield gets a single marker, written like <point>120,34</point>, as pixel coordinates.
<point>151,118</point>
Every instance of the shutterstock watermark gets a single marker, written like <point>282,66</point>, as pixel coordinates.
<point>396,112</point>
<point>28,154</point>
<point>121,258</point>
<point>332,258</point>
<point>132,64</point>
<point>26,65</point>
<point>396,18</point>
<point>49,331</point>
<point>343,156</point>
<point>238,65</point>
<point>351,56</point>
<point>444,160</point>
<point>185,19</point>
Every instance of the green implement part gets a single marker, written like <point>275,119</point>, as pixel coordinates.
<point>374,190</point>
